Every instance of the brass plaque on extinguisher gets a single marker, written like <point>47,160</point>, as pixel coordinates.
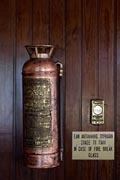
<point>37,112</point>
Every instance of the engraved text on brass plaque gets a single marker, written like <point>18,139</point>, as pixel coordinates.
<point>93,145</point>
<point>37,112</point>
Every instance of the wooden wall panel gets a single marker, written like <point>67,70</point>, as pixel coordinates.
<point>117,96</point>
<point>6,65</point>
<point>7,9</point>
<point>106,60</point>
<point>6,158</point>
<point>106,75</point>
<point>73,84</point>
<point>40,22</point>
<point>23,37</point>
<point>89,74</point>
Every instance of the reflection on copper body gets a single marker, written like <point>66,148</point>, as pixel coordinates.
<point>40,109</point>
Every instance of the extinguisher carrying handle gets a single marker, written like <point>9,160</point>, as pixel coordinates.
<point>61,68</point>
<point>60,106</point>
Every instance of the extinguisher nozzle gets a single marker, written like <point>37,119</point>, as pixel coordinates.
<point>61,154</point>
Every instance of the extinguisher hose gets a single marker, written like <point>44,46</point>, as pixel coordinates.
<point>60,107</point>
<point>61,118</point>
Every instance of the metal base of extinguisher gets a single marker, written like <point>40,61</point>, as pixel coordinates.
<point>42,161</point>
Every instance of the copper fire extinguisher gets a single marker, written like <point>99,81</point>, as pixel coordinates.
<point>41,108</point>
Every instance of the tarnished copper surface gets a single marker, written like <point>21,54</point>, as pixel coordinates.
<point>41,142</point>
<point>42,161</point>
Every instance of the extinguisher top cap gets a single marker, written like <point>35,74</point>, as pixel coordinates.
<point>40,51</point>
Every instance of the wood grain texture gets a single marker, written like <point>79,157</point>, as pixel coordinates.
<point>117,155</point>
<point>7,9</point>
<point>7,29</point>
<point>40,22</point>
<point>89,75</point>
<point>57,28</point>
<point>23,37</point>
<point>106,75</point>
<point>6,156</point>
<point>73,84</point>
<point>106,60</point>
<point>89,61</point>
